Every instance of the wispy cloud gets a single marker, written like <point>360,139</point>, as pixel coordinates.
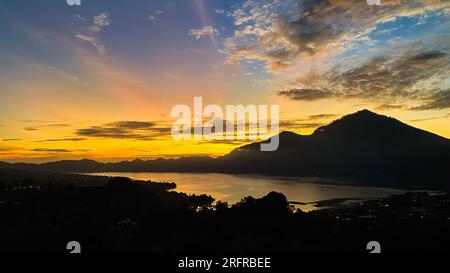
<point>46,126</point>
<point>9,148</point>
<point>93,41</point>
<point>59,150</point>
<point>321,116</point>
<point>37,121</point>
<point>280,32</point>
<point>155,16</point>
<point>63,139</point>
<point>91,34</point>
<point>139,130</point>
<point>437,101</point>
<point>102,20</point>
<point>305,94</point>
<point>81,18</point>
<point>207,31</point>
<point>51,150</point>
<point>414,76</point>
<point>431,118</point>
<point>11,139</point>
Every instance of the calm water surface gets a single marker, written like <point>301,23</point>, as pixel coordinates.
<point>232,188</point>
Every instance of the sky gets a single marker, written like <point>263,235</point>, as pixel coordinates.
<point>99,80</point>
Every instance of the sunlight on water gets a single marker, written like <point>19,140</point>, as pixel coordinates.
<point>232,188</point>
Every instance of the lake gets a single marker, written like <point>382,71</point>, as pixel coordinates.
<point>232,188</point>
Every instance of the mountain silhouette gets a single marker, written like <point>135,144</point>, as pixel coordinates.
<point>364,146</point>
<point>360,145</point>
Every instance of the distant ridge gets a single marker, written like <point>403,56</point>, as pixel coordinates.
<point>364,146</point>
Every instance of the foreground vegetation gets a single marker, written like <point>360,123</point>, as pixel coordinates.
<point>131,216</point>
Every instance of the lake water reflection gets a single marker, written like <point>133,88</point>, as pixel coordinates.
<point>232,188</point>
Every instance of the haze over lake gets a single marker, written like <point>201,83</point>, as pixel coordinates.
<point>232,188</point>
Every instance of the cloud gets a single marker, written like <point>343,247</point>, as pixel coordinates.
<point>51,150</point>
<point>133,124</point>
<point>102,20</point>
<point>413,76</point>
<point>431,118</point>
<point>81,18</point>
<point>91,34</point>
<point>154,16</point>
<point>388,106</point>
<point>37,121</point>
<point>62,139</point>
<point>439,100</point>
<point>280,32</point>
<point>99,22</point>
<point>305,94</point>
<point>219,11</point>
<point>322,116</point>
<point>125,130</point>
<point>8,148</point>
<point>207,31</point>
<point>93,41</point>
<point>11,139</point>
<point>46,126</point>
